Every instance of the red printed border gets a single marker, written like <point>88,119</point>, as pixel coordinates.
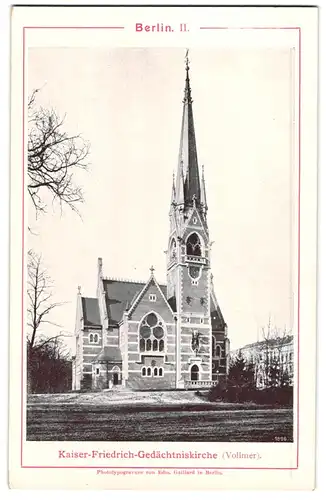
<point>298,29</point>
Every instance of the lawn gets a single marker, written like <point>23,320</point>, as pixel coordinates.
<point>142,420</point>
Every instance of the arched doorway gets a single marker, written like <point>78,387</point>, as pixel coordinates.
<point>116,375</point>
<point>194,372</point>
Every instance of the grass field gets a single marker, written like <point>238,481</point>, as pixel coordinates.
<point>192,420</point>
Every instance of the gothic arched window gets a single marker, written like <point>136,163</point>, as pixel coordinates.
<point>216,349</point>
<point>194,373</point>
<point>194,245</point>
<point>93,338</point>
<point>142,345</point>
<point>151,334</point>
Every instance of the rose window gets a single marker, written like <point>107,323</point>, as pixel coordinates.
<point>151,334</point>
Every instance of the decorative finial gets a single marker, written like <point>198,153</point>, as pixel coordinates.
<point>152,269</point>
<point>79,290</point>
<point>187,60</point>
<point>202,170</point>
<point>194,198</point>
<point>187,91</point>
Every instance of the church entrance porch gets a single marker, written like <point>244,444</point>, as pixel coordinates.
<point>106,375</point>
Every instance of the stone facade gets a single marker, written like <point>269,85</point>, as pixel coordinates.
<point>145,335</point>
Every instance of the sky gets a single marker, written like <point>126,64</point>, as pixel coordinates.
<point>128,104</point>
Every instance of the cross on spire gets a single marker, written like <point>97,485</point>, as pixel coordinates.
<point>187,91</point>
<point>187,60</point>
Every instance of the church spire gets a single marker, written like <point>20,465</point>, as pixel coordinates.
<point>173,194</point>
<point>188,163</point>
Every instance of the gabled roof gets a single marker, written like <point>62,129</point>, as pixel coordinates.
<point>91,312</point>
<point>120,295</point>
<point>109,354</point>
<point>203,226</point>
<point>161,288</point>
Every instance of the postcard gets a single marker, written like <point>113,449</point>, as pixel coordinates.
<point>163,247</point>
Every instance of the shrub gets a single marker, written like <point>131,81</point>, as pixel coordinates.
<point>278,396</point>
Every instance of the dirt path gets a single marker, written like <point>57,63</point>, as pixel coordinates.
<point>117,397</point>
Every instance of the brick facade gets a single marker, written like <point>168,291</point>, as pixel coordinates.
<point>144,335</point>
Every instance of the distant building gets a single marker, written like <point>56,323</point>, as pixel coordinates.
<point>276,352</point>
<point>145,335</point>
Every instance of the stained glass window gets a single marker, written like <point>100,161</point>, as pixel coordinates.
<point>151,334</point>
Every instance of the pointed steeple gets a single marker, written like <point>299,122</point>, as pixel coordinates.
<point>203,200</point>
<point>188,163</point>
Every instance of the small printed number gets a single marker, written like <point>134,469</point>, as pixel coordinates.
<point>280,438</point>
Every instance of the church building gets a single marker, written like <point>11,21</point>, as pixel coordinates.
<point>145,335</point>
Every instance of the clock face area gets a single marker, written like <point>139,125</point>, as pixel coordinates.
<point>194,272</point>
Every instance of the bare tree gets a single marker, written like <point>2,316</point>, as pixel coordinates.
<point>47,357</point>
<point>53,157</point>
<point>40,293</point>
<point>274,341</point>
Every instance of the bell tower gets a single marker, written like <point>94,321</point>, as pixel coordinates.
<point>188,258</point>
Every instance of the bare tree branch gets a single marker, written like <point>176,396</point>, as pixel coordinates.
<point>53,157</point>
<point>39,293</point>
<point>274,341</point>
<point>40,345</point>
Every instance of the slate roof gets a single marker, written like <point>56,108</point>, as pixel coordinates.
<point>109,354</point>
<point>218,322</point>
<point>91,312</point>
<point>119,296</point>
<point>187,172</point>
